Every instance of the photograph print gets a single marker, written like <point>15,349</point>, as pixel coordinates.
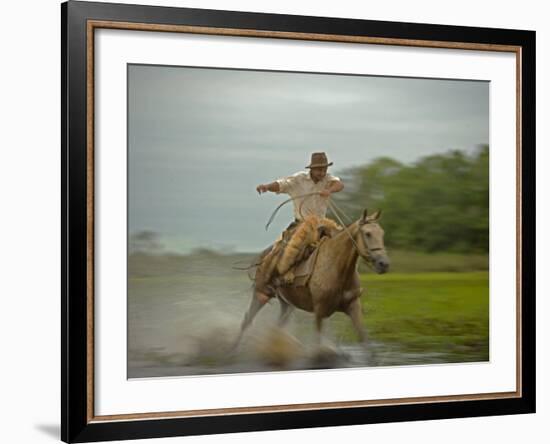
<point>291,221</point>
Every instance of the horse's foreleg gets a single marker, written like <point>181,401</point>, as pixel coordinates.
<point>284,314</point>
<point>259,299</point>
<point>355,313</point>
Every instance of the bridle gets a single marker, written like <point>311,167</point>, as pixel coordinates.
<point>368,257</point>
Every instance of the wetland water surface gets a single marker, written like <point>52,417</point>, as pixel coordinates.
<point>185,312</point>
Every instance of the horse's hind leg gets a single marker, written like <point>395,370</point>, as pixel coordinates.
<point>259,299</point>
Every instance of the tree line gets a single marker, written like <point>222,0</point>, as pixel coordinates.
<point>439,203</point>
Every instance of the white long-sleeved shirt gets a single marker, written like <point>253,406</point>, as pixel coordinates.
<point>301,183</point>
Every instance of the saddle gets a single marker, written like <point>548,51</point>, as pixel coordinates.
<point>291,260</point>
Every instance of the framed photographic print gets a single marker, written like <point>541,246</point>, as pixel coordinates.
<point>275,221</point>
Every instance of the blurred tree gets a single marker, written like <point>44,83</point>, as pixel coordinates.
<point>439,203</point>
<point>144,242</point>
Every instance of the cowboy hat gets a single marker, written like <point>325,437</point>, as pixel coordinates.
<point>319,160</point>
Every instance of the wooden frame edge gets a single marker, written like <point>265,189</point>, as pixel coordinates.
<point>234,32</point>
<point>94,24</point>
<point>302,407</point>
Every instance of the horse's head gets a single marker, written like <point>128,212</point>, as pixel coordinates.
<point>370,242</point>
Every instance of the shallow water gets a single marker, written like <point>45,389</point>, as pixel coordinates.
<point>185,323</point>
<point>348,356</point>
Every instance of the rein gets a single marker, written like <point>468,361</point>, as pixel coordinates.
<point>333,208</point>
<point>284,203</point>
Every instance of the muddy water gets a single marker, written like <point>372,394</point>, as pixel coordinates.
<point>185,323</point>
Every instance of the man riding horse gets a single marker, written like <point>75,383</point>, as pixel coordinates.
<point>310,192</point>
<point>332,282</point>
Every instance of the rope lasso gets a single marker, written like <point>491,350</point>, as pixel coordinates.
<point>284,203</point>
<point>338,213</point>
<point>331,204</point>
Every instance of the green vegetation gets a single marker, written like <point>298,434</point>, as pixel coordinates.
<point>442,313</point>
<point>440,203</point>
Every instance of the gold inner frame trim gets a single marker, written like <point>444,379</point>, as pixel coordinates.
<point>96,24</point>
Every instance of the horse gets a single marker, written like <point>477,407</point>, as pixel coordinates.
<point>334,284</point>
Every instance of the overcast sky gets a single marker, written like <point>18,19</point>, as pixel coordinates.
<point>201,140</point>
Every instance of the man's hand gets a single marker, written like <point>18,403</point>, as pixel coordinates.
<point>273,187</point>
<point>262,189</point>
<point>334,186</point>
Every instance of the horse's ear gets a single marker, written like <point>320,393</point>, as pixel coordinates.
<point>363,219</point>
<point>375,216</point>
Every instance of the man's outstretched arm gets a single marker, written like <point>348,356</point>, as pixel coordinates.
<point>273,187</point>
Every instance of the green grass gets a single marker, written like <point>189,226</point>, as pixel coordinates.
<point>445,313</point>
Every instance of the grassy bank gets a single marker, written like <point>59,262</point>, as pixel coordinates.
<point>443,313</point>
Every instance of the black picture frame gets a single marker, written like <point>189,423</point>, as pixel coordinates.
<point>77,421</point>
